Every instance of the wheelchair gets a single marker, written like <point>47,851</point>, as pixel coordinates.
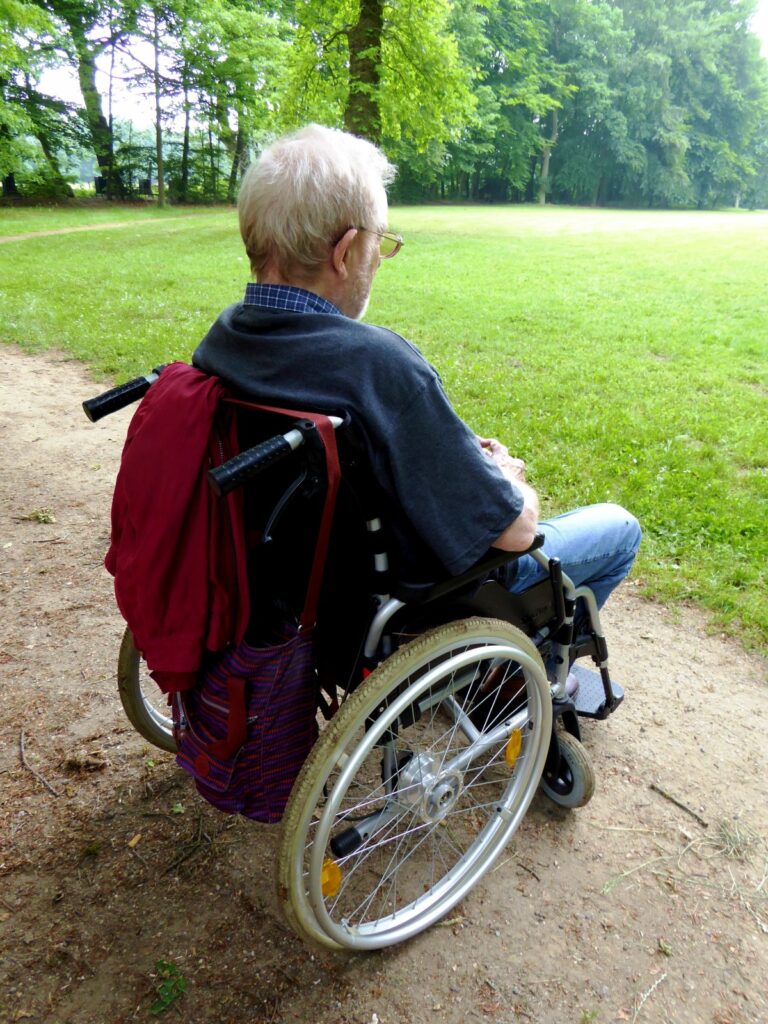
<point>442,721</point>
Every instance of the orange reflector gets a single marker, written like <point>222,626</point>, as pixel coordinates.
<point>330,878</point>
<point>514,746</point>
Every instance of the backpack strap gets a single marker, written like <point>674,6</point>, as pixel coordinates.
<point>327,435</point>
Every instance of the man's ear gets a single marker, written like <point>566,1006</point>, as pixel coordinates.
<point>340,251</point>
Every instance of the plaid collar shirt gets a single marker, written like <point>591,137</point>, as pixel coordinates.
<point>285,296</point>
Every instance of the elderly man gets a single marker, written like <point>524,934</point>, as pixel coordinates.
<point>313,217</point>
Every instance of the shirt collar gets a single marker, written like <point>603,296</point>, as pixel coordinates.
<point>286,296</point>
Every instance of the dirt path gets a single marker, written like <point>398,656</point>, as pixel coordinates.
<point>629,909</point>
<point>90,227</point>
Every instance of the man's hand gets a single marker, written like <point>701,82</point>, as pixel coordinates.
<point>519,535</point>
<point>512,468</point>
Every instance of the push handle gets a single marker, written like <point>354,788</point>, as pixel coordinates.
<point>250,463</point>
<point>242,467</point>
<point>117,398</point>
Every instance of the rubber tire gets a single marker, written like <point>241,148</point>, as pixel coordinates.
<point>351,734</point>
<point>582,775</point>
<point>155,726</point>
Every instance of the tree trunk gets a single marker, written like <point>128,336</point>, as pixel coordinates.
<point>362,115</point>
<point>110,112</point>
<point>62,185</point>
<point>185,149</point>
<point>158,115</point>
<point>237,159</point>
<point>10,191</point>
<point>546,156</point>
<point>36,109</point>
<point>212,164</point>
<point>98,126</point>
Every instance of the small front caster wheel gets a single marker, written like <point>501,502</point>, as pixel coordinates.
<point>573,783</point>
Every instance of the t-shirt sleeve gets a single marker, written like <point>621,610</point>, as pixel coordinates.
<point>455,497</point>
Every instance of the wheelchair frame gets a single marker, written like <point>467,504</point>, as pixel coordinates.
<point>431,761</point>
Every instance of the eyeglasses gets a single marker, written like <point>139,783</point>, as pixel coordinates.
<point>389,242</point>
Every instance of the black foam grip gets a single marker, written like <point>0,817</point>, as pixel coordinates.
<point>117,398</point>
<point>242,467</point>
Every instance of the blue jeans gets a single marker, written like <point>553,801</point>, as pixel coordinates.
<point>596,545</point>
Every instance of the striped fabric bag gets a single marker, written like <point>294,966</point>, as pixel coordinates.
<point>244,731</point>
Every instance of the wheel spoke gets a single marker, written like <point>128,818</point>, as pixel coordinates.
<point>431,826</point>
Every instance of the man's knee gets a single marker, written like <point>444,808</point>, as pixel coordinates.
<point>616,539</point>
<point>621,524</point>
<point>613,523</point>
<point>624,539</point>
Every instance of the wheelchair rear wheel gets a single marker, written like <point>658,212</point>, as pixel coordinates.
<point>142,700</point>
<point>415,786</point>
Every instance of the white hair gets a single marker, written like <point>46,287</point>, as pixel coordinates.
<point>304,191</point>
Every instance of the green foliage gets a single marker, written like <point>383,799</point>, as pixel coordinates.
<point>20,62</point>
<point>588,1017</point>
<point>36,180</point>
<point>231,58</point>
<point>18,19</point>
<point>421,87</point>
<point>635,103</point>
<point>218,63</point>
<point>169,984</point>
<point>756,191</point>
<point>729,101</point>
<point>606,102</point>
<point>518,84</point>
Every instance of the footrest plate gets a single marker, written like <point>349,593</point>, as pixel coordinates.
<point>589,699</point>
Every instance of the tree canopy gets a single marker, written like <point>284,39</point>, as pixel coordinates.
<point>642,102</point>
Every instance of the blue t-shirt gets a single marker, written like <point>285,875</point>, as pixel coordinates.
<point>445,495</point>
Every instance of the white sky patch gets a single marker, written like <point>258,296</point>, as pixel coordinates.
<point>760,25</point>
<point>129,102</point>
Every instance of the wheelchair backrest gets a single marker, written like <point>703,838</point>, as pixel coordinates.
<point>282,508</point>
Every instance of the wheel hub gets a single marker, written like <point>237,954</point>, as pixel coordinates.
<point>425,789</point>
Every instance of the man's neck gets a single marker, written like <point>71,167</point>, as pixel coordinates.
<point>317,284</point>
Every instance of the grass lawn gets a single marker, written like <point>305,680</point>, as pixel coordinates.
<point>622,354</point>
<point>22,219</point>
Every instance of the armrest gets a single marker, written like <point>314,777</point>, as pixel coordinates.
<point>421,593</point>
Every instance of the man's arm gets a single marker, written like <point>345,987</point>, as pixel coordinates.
<point>520,533</point>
